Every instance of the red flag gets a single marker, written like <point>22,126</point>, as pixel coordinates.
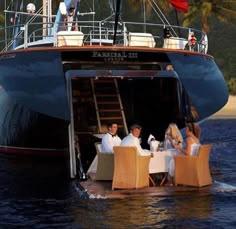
<point>180,5</point>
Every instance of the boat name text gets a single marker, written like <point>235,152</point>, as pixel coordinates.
<point>115,56</point>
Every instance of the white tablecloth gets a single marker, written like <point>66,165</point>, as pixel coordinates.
<point>159,163</point>
<point>93,166</point>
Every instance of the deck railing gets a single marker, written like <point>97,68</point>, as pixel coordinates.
<point>102,33</point>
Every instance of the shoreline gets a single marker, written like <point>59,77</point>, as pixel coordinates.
<point>228,111</point>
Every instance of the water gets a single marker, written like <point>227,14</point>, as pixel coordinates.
<point>37,194</point>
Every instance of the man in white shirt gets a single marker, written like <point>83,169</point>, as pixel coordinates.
<point>110,139</point>
<point>133,140</point>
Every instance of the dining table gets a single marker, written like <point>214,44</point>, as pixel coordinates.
<point>160,161</point>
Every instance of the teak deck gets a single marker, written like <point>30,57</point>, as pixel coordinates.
<point>103,190</point>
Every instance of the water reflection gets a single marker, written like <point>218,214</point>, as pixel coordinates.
<point>32,177</point>
<point>194,207</point>
<point>145,212</point>
<point>110,213</point>
<point>35,193</point>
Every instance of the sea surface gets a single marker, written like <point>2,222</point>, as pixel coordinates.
<point>37,194</point>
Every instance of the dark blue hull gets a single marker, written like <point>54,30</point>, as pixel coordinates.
<point>30,87</point>
<point>35,107</point>
<point>24,131</point>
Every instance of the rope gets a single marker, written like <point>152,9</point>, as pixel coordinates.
<point>161,16</point>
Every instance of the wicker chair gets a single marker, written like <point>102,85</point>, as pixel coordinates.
<point>131,171</point>
<point>193,170</point>
<point>103,165</point>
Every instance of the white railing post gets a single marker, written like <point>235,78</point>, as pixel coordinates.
<point>26,36</point>
<point>125,35</point>
<point>100,33</point>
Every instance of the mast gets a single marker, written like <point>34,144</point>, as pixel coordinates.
<point>117,14</point>
<point>47,10</point>
<point>44,18</point>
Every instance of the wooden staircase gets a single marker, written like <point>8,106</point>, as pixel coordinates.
<point>108,103</point>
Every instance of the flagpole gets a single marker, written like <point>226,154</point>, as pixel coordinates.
<point>117,14</point>
<point>177,19</point>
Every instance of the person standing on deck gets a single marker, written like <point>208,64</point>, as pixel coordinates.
<point>69,22</point>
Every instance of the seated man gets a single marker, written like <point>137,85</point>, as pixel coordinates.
<point>110,139</point>
<point>133,140</point>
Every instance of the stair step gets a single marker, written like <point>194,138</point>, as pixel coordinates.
<point>111,118</point>
<point>120,126</point>
<point>104,81</point>
<point>106,95</point>
<point>109,110</point>
<point>107,102</point>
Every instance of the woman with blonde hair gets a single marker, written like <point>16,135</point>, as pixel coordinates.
<point>191,147</point>
<point>173,137</point>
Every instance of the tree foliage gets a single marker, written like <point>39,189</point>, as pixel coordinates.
<point>231,83</point>
<point>223,10</point>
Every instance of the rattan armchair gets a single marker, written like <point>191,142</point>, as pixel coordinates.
<point>193,170</point>
<point>131,171</point>
<point>103,165</point>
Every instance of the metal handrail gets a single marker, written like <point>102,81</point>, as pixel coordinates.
<point>101,30</point>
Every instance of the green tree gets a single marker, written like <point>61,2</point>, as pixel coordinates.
<point>223,10</point>
<point>163,4</point>
<point>231,83</point>
<point>1,19</point>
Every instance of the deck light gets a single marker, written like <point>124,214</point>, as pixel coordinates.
<point>31,8</point>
